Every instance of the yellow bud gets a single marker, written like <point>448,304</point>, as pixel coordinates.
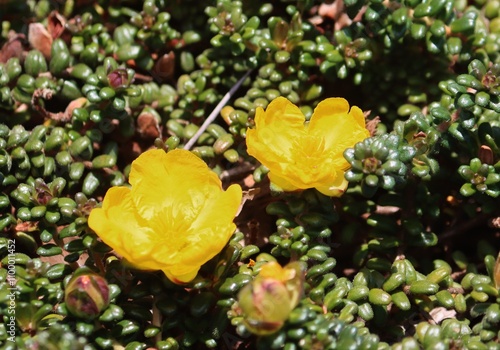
<point>268,300</point>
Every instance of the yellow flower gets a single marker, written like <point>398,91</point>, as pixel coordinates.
<point>302,155</point>
<point>174,218</point>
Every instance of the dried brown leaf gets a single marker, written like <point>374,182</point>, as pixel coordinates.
<point>40,39</point>
<point>439,314</point>
<point>47,94</point>
<point>148,126</point>
<point>164,67</point>
<point>56,24</point>
<point>336,11</point>
<point>371,125</point>
<point>77,103</point>
<point>12,48</point>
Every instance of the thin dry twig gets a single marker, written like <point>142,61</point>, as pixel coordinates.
<point>216,111</point>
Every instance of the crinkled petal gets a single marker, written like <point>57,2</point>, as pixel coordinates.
<point>117,224</point>
<point>305,156</point>
<point>310,166</point>
<point>181,274</point>
<point>358,116</point>
<point>335,188</point>
<point>340,130</point>
<point>177,179</point>
<point>280,111</point>
<point>267,154</point>
<point>207,237</point>
<point>175,217</point>
<point>211,229</point>
<point>295,178</point>
<point>275,131</point>
<point>332,105</point>
<point>283,183</point>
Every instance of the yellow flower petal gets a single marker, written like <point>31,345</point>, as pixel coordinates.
<point>283,182</point>
<point>119,227</point>
<point>211,229</point>
<point>358,116</point>
<point>335,188</point>
<point>179,275</point>
<point>165,180</point>
<point>175,217</point>
<point>306,155</point>
<point>332,105</point>
<point>339,130</point>
<point>280,119</point>
<point>280,110</point>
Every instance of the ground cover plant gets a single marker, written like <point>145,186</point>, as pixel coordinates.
<point>281,174</point>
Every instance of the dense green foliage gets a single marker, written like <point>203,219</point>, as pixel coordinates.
<point>406,259</point>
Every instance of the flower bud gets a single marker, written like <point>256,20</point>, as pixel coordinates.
<point>119,78</point>
<point>268,300</point>
<point>86,295</point>
<point>266,306</point>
